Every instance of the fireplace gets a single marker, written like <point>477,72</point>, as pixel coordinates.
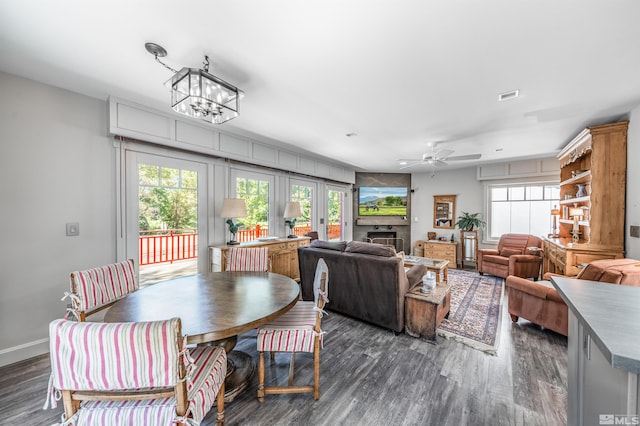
<point>387,238</point>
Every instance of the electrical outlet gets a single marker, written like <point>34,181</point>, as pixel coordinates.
<point>634,230</point>
<point>73,229</point>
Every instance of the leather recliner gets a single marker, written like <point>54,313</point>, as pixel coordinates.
<point>517,254</point>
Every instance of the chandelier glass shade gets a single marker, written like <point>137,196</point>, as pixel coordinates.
<point>198,94</point>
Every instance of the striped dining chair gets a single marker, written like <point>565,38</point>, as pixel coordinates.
<point>255,259</point>
<point>95,289</point>
<point>299,330</point>
<point>133,374</point>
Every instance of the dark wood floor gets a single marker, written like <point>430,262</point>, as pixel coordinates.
<point>370,376</point>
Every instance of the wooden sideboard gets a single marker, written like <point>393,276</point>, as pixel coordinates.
<point>283,255</point>
<point>562,256</point>
<point>436,249</point>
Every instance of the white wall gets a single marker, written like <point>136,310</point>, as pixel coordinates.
<point>460,182</point>
<point>632,245</point>
<point>57,165</point>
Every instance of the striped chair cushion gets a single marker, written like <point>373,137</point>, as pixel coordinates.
<point>248,259</point>
<point>209,372</point>
<point>291,332</point>
<point>110,356</point>
<point>95,287</point>
<point>131,356</point>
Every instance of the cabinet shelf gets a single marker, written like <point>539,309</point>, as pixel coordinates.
<point>585,199</point>
<point>570,222</point>
<point>584,177</point>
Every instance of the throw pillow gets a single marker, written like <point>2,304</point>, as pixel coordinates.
<point>506,252</point>
<point>370,248</point>
<point>329,245</point>
<point>415,274</point>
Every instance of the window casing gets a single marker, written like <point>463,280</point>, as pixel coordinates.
<point>523,208</point>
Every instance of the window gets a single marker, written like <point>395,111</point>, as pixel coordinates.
<point>304,195</point>
<point>520,208</point>
<point>257,191</point>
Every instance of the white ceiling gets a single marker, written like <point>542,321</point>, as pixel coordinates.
<point>400,74</point>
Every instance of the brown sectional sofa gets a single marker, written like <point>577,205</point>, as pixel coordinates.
<point>366,281</point>
<point>540,303</point>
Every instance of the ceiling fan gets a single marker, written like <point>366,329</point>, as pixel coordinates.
<point>437,158</point>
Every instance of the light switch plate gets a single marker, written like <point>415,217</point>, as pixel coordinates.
<point>73,229</point>
<point>634,230</point>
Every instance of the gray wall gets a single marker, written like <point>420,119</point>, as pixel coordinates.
<point>460,182</point>
<point>632,245</point>
<point>57,165</point>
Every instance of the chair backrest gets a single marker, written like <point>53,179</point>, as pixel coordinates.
<point>320,290</point>
<point>93,356</point>
<point>248,259</point>
<point>95,289</point>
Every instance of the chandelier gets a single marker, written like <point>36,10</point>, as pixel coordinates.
<point>197,93</point>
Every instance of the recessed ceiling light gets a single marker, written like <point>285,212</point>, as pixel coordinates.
<point>509,95</point>
<point>403,163</point>
<point>351,134</point>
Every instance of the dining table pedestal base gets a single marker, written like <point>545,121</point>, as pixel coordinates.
<point>240,368</point>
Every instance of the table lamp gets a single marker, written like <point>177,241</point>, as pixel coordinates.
<point>554,213</point>
<point>291,212</point>
<point>233,208</point>
<point>575,213</point>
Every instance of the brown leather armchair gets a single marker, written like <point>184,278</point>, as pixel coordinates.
<point>540,303</point>
<point>512,257</point>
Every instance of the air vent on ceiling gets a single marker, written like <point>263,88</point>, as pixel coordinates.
<point>508,95</point>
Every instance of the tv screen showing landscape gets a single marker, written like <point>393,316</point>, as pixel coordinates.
<point>382,201</point>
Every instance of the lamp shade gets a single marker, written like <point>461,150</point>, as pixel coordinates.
<point>292,209</point>
<point>576,211</point>
<point>555,211</point>
<point>233,207</point>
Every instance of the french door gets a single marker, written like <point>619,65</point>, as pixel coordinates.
<point>166,216</point>
<point>336,213</point>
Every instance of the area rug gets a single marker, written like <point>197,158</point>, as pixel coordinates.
<point>476,308</point>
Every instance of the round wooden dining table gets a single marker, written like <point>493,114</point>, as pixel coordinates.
<point>214,308</point>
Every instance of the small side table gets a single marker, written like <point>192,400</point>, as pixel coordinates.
<point>424,312</point>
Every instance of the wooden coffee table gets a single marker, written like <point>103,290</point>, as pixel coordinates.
<point>424,312</point>
<point>439,266</point>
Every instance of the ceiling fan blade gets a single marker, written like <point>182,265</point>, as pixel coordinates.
<point>439,163</point>
<point>414,163</point>
<point>443,153</point>
<point>463,157</point>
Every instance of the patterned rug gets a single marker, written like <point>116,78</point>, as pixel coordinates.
<point>476,307</point>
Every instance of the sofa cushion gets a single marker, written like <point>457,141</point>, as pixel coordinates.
<point>506,252</point>
<point>613,271</point>
<point>498,260</point>
<point>370,248</point>
<point>329,245</point>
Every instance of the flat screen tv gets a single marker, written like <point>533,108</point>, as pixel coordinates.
<point>382,201</point>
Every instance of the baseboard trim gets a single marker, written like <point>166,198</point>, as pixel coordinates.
<point>24,351</point>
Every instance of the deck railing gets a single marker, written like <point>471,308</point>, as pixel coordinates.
<point>169,245</point>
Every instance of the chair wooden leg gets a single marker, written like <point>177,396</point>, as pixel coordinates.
<point>316,369</point>
<point>291,367</point>
<point>220,400</point>
<point>514,318</point>
<point>261,376</point>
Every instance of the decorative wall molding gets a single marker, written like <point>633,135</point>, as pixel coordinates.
<point>135,121</point>
<point>520,169</point>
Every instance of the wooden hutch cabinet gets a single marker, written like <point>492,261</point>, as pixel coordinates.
<point>283,255</point>
<point>593,169</point>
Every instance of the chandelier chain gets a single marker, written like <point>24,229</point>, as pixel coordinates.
<point>164,65</point>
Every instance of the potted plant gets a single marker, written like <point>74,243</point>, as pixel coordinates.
<point>467,221</point>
